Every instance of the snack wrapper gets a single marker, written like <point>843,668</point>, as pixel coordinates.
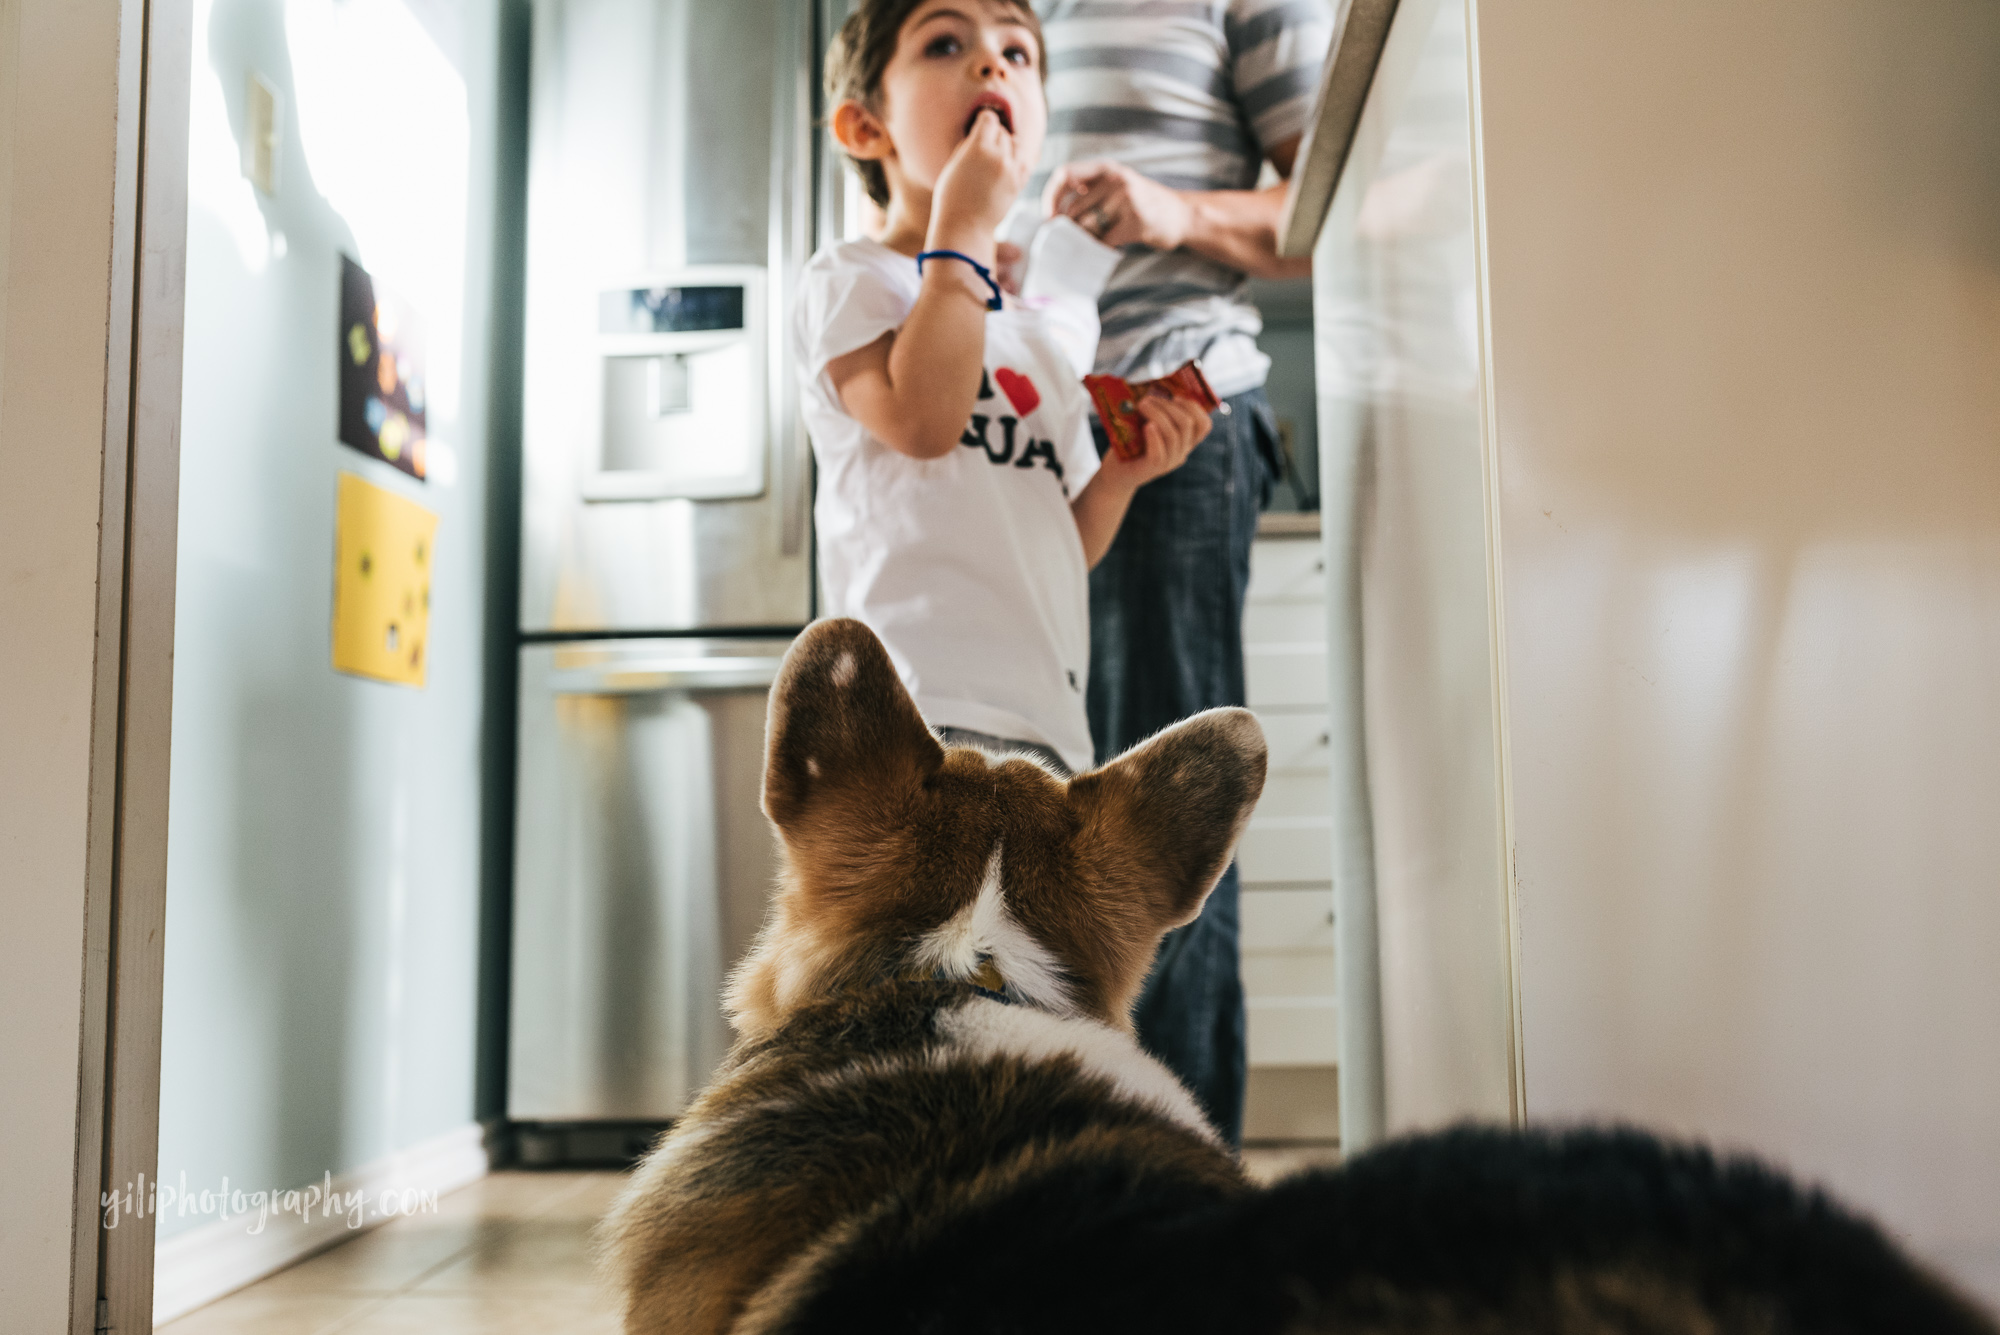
<point>1117,403</point>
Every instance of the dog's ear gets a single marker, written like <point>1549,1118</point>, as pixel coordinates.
<point>840,719</point>
<point>1160,822</point>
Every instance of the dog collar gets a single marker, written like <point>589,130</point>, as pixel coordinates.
<point>986,980</point>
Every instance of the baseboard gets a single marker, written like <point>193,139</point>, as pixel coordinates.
<point>197,1267</point>
<point>602,1144</point>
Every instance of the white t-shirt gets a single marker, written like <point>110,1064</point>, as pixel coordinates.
<point>968,566</point>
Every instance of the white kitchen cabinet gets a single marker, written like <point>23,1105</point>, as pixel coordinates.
<point>1286,856</point>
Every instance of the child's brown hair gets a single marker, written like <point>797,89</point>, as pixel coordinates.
<point>861,51</point>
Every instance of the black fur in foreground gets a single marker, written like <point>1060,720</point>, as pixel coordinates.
<point>1466,1230</point>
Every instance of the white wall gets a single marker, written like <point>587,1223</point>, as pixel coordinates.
<point>58,152</point>
<point>323,892</point>
<point>1744,269</point>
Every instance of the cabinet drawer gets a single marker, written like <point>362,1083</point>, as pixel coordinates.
<point>1287,848</point>
<point>1293,1031</point>
<point>1288,920</point>
<point>1297,741</point>
<point>1286,794</point>
<point>1284,623</point>
<point>1289,570</point>
<point>1285,674</point>
<point>1287,973</point>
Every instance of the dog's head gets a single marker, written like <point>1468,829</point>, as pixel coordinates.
<point>902,857</point>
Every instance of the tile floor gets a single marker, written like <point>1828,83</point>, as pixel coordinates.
<point>508,1255</point>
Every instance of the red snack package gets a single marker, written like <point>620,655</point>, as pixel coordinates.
<point>1117,403</point>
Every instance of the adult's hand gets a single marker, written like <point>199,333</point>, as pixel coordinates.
<point>1122,207</point>
<point>1119,206</point>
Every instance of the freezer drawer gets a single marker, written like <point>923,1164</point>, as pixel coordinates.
<point>641,869</point>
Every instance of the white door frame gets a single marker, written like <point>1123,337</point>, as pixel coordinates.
<point>93,213</point>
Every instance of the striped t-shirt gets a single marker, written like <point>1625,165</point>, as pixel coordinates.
<point>1190,93</point>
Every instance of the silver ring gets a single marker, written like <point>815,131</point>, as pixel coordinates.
<point>1098,222</point>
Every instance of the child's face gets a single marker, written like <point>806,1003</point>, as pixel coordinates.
<point>952,58</point>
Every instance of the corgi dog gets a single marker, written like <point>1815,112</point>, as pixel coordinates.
<point>936,1117</point>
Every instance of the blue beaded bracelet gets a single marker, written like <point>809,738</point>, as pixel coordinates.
<point>994,303</point>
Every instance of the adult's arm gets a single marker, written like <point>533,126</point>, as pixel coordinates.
<point>1238,228</point>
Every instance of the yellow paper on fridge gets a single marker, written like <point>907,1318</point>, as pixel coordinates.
<point>381,584</point>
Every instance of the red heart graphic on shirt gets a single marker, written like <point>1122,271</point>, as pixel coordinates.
<point>1020,390</point>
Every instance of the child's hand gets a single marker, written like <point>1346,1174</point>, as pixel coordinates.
<point>979,183</point>
<point>1173,428</point>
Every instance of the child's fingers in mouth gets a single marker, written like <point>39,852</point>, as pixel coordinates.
<point>1000,115</point>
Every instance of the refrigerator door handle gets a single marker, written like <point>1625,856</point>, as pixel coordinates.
<point>651,676</point>
<point>790,236</point>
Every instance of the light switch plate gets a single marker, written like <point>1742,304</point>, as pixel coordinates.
<point>263,107</point>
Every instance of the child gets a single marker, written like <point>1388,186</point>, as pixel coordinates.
<point>961,501</point>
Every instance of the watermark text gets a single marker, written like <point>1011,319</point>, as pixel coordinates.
<point>353,1206</point>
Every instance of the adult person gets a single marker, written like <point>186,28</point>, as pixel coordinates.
<point>1161,116</point>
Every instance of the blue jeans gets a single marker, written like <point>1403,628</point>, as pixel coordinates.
<point>1166,641</point>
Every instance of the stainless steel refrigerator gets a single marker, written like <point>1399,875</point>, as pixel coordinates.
<point>666,540</point>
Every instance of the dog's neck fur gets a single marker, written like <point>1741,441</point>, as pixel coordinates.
<point>793,966</point>
<point>984,935</point>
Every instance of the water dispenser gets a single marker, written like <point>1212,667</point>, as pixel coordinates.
<point>684,381</point>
